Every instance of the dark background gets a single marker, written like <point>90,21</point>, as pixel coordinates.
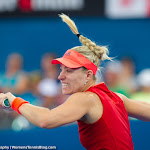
<point>33,33</point>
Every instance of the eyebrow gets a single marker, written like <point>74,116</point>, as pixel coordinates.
<point>64,67</point>
<point>69,68</point>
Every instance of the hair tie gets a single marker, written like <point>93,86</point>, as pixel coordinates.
<point>78,35</point>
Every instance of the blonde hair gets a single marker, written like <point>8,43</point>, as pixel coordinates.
<point>90,50</point>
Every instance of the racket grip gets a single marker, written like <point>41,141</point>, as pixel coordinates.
<point>6,103</point>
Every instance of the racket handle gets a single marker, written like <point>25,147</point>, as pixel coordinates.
<point>6,103</point>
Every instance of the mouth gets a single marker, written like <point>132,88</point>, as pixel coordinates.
<point>65,84</point>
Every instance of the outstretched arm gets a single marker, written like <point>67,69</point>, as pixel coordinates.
<point>72,110</point>
<point>136,109</point>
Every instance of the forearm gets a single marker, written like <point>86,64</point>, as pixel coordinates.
<point>136,109</point>
<point>72,110</point>
<point>34,114</point>
<point>39,116</point>
<point>43,117</point>
<point>141,112</point>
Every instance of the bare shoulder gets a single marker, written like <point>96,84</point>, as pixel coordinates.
<point>87,100</point>
<point>91,102</point>
<point>123,97</point>
<point>120,95</point>
<point>83,97</point>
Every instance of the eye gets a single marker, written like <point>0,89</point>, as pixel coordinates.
<point>68,70</point>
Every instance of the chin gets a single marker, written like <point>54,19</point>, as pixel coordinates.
<point>66,93</point>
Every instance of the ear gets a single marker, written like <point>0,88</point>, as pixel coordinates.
<point>89,74</point>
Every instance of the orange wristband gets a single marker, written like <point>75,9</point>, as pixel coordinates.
<point>17,102</point>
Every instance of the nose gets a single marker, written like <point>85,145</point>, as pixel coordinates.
<point>61,76</point>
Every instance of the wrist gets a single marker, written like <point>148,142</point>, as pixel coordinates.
<point>17,102</point>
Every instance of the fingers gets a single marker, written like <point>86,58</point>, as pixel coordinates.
<point>2,98</point>
<point>10,97</point>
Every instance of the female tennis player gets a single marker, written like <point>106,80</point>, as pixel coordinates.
<point>102,115</point>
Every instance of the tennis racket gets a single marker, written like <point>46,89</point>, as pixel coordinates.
<point>6,103</point>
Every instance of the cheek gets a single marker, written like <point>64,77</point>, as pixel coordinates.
<point>76,81</point>
<point>79,83</point>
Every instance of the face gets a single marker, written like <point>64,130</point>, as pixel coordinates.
<point>72,80</point>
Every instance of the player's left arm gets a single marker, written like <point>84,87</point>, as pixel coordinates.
<point>136,109</point>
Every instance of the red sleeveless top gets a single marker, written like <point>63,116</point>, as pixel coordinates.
<point>112,130</point>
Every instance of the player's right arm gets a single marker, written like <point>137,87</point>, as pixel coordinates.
<point>72,110</point>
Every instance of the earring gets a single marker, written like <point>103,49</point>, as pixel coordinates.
<point>85,83</point>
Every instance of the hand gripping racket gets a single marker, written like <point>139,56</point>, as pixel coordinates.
<point>6,103</point>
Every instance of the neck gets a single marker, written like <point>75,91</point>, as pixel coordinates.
<point>88,85</point>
